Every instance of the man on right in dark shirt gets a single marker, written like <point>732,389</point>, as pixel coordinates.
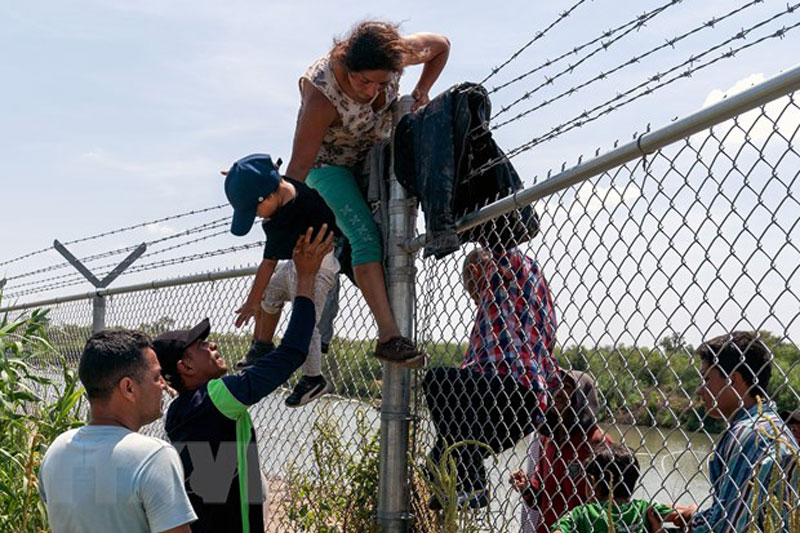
<point>208,422</point>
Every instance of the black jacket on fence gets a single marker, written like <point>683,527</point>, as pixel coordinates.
<point>437,151</point>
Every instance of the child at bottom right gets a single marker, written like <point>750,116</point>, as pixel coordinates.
<point>612,472</point>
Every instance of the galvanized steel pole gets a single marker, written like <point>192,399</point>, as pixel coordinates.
<point>393,499</point>
<point>98,313</point>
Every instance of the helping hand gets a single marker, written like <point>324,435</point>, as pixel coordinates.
<point>246,312</point>
<point>519,481</point>
<point>655,523</point>
<point>308,253</point>
<point>681,516</point>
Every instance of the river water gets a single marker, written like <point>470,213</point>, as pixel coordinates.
<point>673,462</point>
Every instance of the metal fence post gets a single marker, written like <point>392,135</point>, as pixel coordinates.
<point>393,497</point>
<point>99,300</point>
<point>98,313</point>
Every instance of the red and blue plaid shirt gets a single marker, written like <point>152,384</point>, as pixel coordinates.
<point>515,327</point>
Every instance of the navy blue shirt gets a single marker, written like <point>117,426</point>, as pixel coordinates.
<point>206,439</point>
<point>306,210</point>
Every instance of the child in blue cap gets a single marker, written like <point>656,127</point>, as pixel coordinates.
<point>255,188</point>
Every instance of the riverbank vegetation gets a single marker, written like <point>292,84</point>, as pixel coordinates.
<point>648,386</point>
<point>33,411</point>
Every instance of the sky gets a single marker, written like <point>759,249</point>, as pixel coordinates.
<point>118,112</point>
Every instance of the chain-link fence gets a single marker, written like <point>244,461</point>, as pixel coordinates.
<point>643,263</point>
<point>634,266</point>
<point>293,443</point>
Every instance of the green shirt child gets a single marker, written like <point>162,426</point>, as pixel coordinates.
<point>613,472</point>
<point>627,517</point>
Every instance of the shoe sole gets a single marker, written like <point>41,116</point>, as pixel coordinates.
<point>416,361</point>
<point>312,395</point>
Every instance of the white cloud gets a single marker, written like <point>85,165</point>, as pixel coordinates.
<point>159,229</point>
<point>593,198</point>
<point>588,199</point>
<point>717,95</point>
<point>756,124</point>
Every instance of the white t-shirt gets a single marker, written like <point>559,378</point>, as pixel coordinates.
<point>108,478</point>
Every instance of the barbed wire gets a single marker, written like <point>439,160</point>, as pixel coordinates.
<point>197,229</point>
<point>578,121</point>
<point>585,118</point>
<point>144,267</point>
<point>780,33</point>
<point>670,43</point>
<point>563,15</point>
<point>116,231</point>
<point>635,24</point>
<point>196,257</point>
<point>108,267</point>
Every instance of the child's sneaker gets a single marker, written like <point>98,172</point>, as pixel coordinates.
<point>401,351</point>
<point>307,390</point>
<point>257,350</point>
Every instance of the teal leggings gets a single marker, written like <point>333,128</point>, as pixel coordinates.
<point>338,187</point>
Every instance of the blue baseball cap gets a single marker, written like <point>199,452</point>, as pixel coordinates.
<point>249,181</point>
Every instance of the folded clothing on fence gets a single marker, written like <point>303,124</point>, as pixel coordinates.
<point>440,154</point>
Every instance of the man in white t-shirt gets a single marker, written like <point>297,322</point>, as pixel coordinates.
<point>105,476</point>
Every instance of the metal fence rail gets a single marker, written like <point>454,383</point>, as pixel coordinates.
<point>690,231</point>
<point>286,436</point>
<point>685,233</point>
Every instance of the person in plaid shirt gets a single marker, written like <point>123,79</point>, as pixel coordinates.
<point>500,392</point>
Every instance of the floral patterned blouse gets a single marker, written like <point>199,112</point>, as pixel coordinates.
<point>361,126</point>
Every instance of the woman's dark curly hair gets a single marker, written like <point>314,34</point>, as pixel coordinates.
<point>371,45</point>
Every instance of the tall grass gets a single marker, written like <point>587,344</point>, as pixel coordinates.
<point>441,481</point>
<point>29,418</point>
<point>339,493</point>
<point>780,507</point>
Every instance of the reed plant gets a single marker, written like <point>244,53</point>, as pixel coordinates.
<point>34,409</point>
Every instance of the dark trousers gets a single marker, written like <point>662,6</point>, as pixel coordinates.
<point>468,405</point>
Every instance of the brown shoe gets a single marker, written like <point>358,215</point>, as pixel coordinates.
<point>400,351</point>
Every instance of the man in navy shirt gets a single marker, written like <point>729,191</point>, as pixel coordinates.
<point>208,422</point>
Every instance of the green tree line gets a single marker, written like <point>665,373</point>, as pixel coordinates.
<point>650,386</point>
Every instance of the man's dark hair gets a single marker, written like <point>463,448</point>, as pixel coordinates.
<point>371,45</point>
<point>613,465</point>
<point>109,356</point>
<point>743,352</point>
